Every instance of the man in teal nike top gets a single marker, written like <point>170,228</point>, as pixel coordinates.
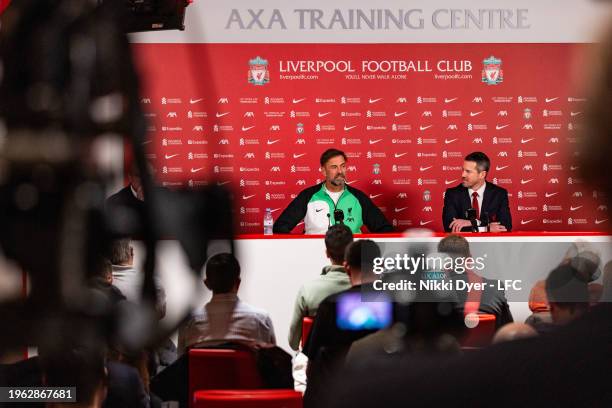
<point>331,202</point>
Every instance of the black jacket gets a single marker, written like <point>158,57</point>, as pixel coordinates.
<point>494,206</point>
<point>295,212</point>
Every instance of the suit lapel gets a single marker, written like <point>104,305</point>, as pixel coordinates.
<point>466,202</point>
<point>486,200</point>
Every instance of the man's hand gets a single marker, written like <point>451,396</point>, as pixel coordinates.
<point>497,227</point>
<point>457,224</point>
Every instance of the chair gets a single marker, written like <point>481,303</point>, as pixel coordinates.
<point>247,399</point>
<point>482,334</point>
<point>222,369</point>
<point>306,326</point>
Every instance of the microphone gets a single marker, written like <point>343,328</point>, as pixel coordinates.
<point>339,216</point>
<point>470,214</point>
<point>328,221</point>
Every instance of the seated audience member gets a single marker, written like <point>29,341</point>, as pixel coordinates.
<point>568,294</point>
<point>514,331</point>
<point>327,344</point>
<point>333,279</point>
<point>102,280</point>
<point>492,300</point>
<point>125,275</point>
<point>79,368</point>
<point>225,318</point>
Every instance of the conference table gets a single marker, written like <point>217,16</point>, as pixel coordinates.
<point>274,267</point>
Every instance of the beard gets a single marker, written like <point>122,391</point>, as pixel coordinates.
<point>338,181</point>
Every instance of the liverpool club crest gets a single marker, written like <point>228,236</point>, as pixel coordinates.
<point>258,71</point>
<point>492,73</point>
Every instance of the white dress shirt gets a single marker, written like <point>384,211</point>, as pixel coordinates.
<point>226,319</point>
<point>480,192</point>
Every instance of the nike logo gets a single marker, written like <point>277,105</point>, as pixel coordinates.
<point>398,114</point>
<point>374,100</point>
<point>527,140</point>
<point>351,182</point>
<point>425,127</point>
<point>575,113</point>
<point>498,168</point>
<point>548,100</point>
<point>169,156</point>
<point>375,141</point>
<point>298,100</point>
<point>498,127</point>
<point>448,141</point>
<point>322,115</point>
<point>246,197</point>
<point>196,170</point>
<point>576,208</point>
<point>244,129</point>
<point>548,195</point>
<point>318,209</point>
<point>447,182</point>
<point>146,142</point>
<point>192,101</point>
<point>472,114</point>
<point>523,181</point>
<point>222,183</point>
<point>274,210</point>
<point>373,196</point>
<point>425,222</point>
<point>347,128</point>
<point>572,168</point>
<point>550,154</point>
<point>400,155</point>
<point>425,168</point>
<point>220,115</point>
<point>297,156</point>
<point>600,221</point>
<point>273,141</point>
<point>400,209</point>
<point>449,100</point>
<point>523,222</point>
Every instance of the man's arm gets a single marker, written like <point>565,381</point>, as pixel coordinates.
<point>294,213</point>
<point>449,212</point>
<point>504,216</point>
<point>373,218</point>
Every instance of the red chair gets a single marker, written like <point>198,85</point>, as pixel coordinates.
<point>306,326</point>
<point>482,334</point>
<point>247,399</point>
<point>222,369</point>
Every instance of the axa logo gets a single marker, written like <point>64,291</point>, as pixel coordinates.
<point>351,168</point>
<point>477,99</point>
<point>527,126</point>
<point>502,113</point>
<point>426,114</point>
<point>528,167</point>
<point>249,114</point>
<point>145,100</point>
<point>401,99</point>
<point>451,127</point>
<point>171,115</point>
<point>427,208</point>
<point>249,155</point>
<point>224,141</point>
<point>301,182</point>
<point>477,140</point>
<point>275,168</point>
<point>300,141</point>
<point>275,128</point>
<point>502,154</point>
<point>198,128</point>
<point>553,180</point>
<point>577,194</point>
<point>377,181</point>
<point>553,140</point>
<point>402,195</point>
<point>223,100</point>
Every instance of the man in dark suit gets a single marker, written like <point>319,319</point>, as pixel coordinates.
<point>488,201</point>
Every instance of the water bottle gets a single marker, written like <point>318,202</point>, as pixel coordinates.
<point>268,222</point>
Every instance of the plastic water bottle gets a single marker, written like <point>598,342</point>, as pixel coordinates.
<point>268,222</point>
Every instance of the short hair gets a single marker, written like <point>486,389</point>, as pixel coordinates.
<point>222,272</point>
<point>120,251</point>
<point>454,244</point>
<point>80,367</point>
<point>337,238</point>
<point>360,254</point>
<point>329,153</point>
<point>482,160</point>
<point>566,287</point>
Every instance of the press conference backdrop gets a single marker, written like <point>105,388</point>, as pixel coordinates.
<point>252,93</point>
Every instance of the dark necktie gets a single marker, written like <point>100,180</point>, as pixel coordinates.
<point>475,204</point>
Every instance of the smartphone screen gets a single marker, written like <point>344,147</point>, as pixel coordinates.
<point>352,313</point>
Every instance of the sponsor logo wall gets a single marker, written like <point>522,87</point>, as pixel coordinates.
<point>256,117</point>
